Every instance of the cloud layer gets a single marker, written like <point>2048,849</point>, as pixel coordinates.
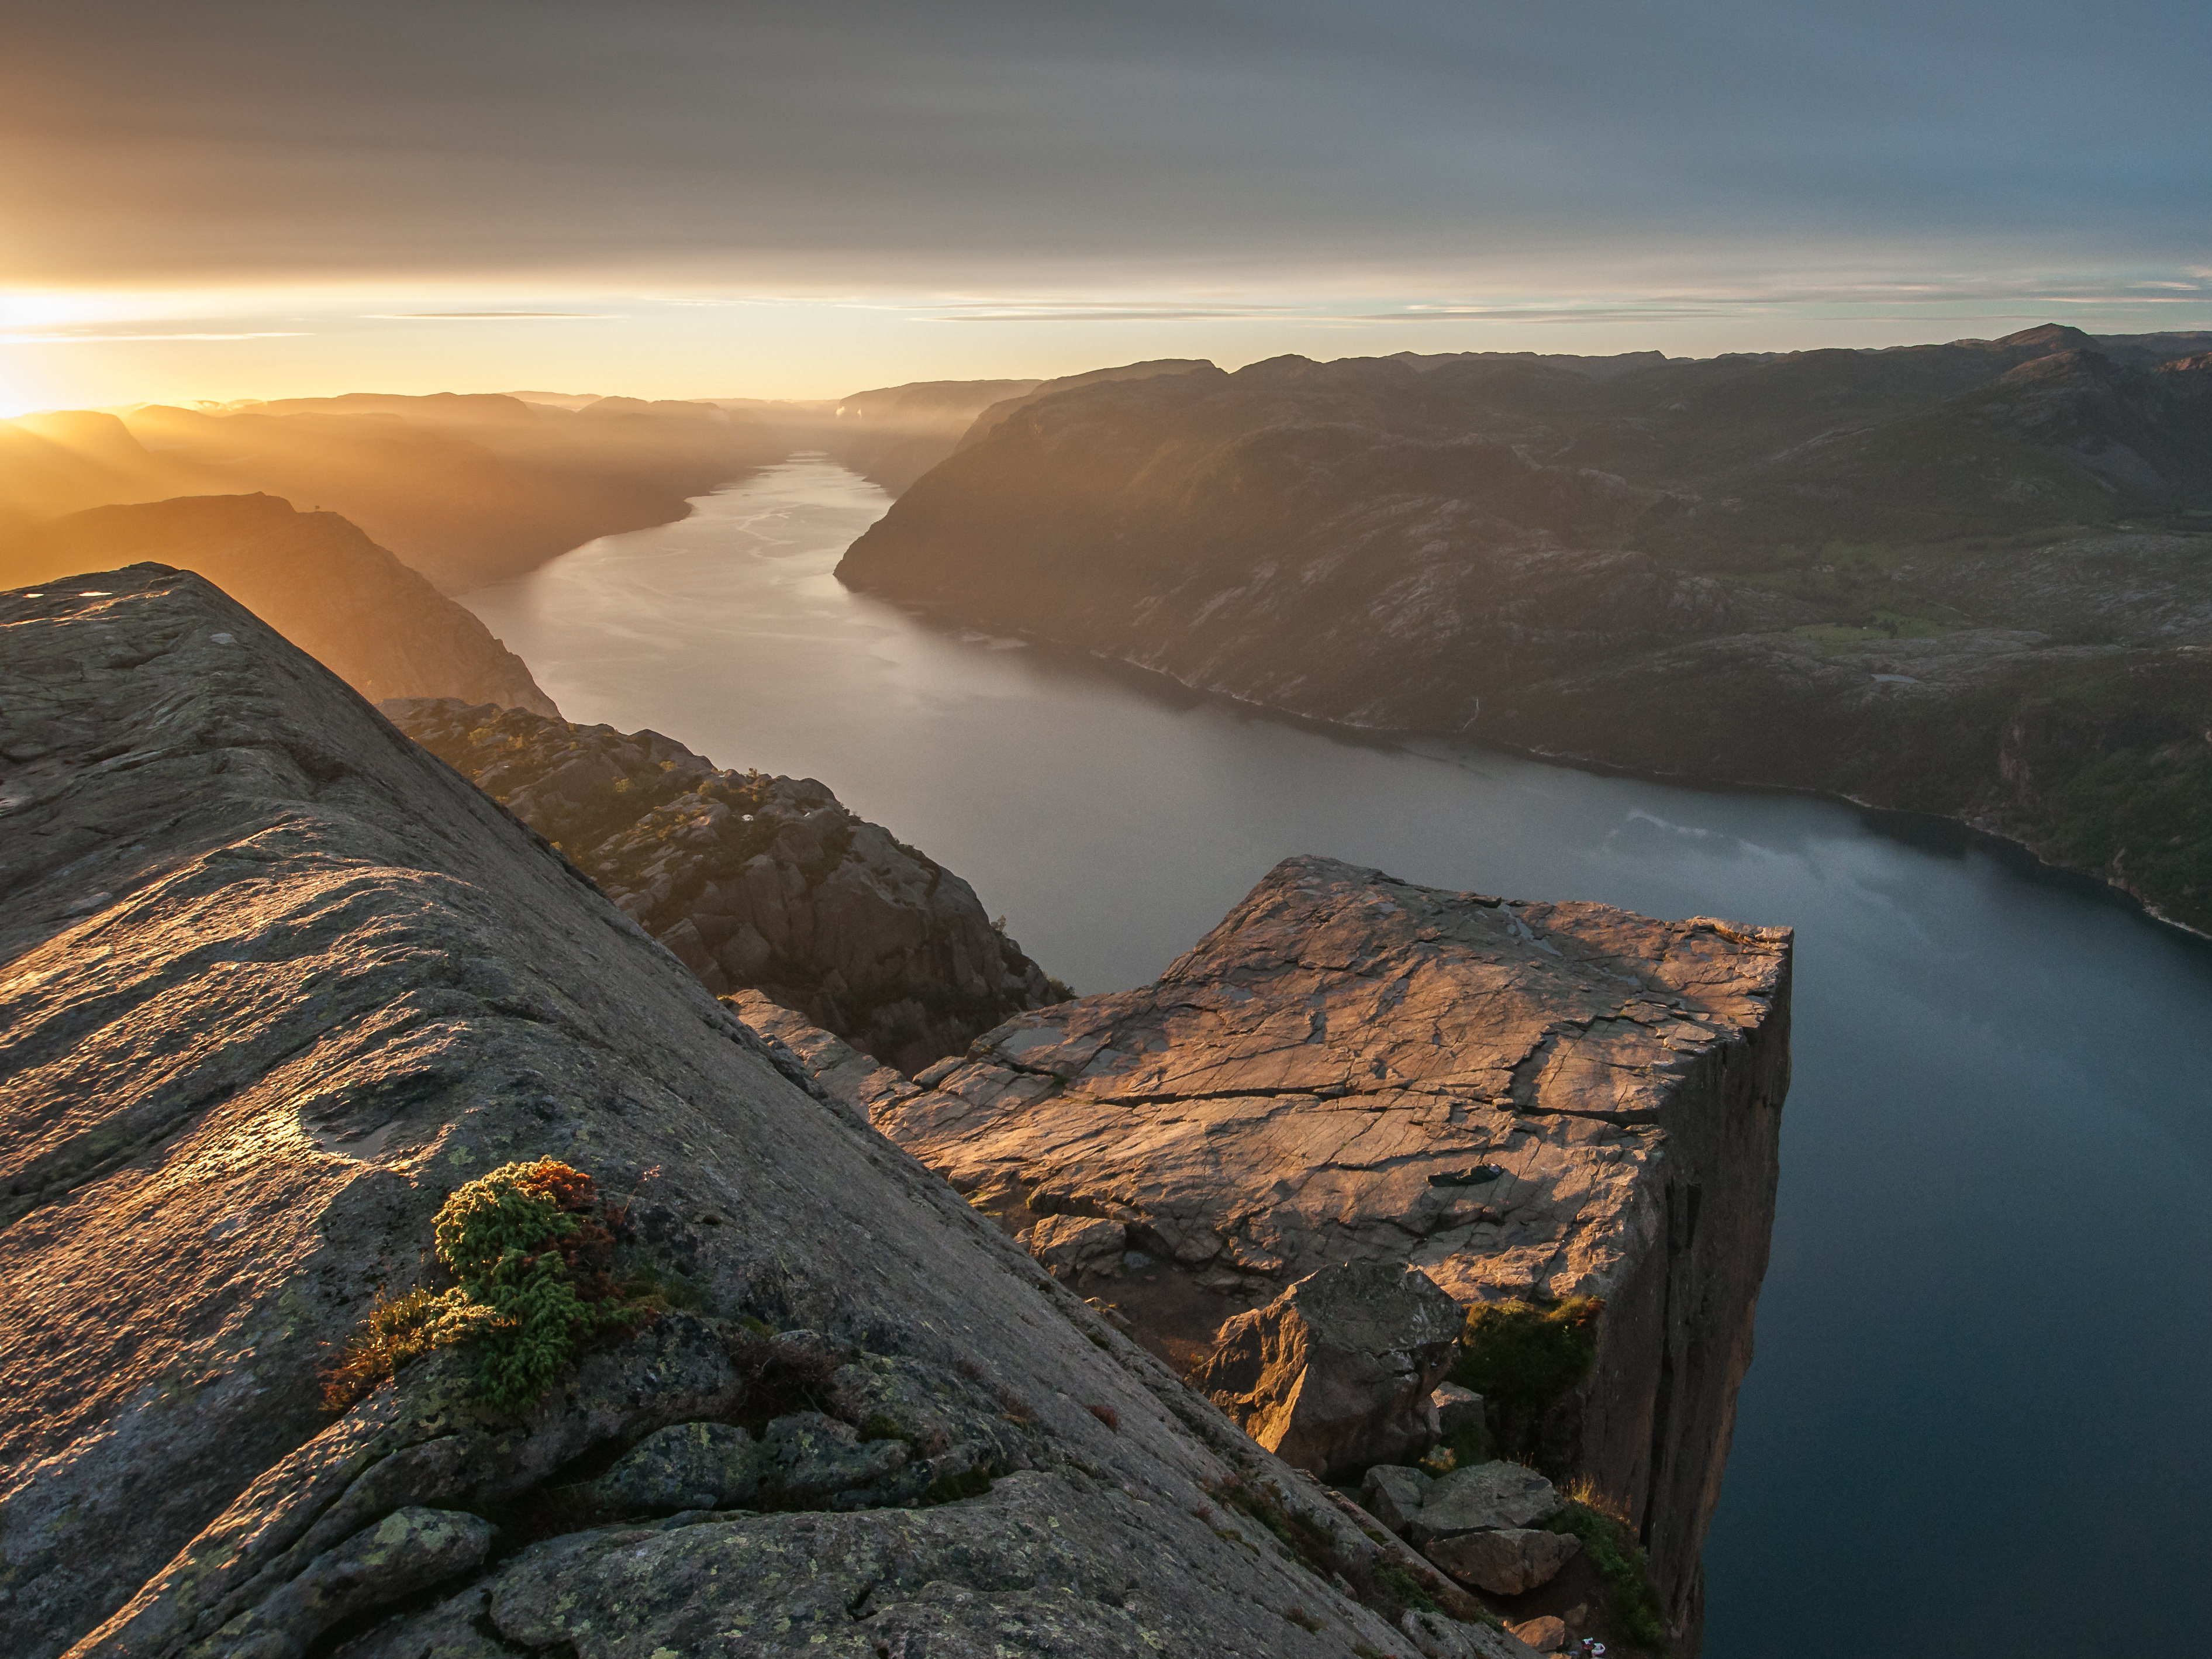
<point>1404,146</point>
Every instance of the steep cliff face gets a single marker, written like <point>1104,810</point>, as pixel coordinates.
<point>752,881</point>
<point>1527,1100</point>
<point>314,577</point>
<point>277,982</point>
<point>1850,571</point>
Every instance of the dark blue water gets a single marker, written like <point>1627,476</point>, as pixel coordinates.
<point>1978,1419</point>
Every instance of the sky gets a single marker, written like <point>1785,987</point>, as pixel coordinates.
<point>231,200</point>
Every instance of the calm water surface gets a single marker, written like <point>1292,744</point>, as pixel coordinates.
<point>1978,1419</point>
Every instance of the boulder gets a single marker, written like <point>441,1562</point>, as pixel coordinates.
<point>1456,1408</point>
<point>1067,1245</point>
<point>1335,1373</point>
<point>1544,1635</point>
<point>686,1466</point>
<point>1487,1497</point>
<point>1393,1493</point>
<point>808,1455</point>
<point>1507,1562</point>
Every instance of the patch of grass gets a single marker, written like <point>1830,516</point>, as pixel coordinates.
<point>1610,1544</point>
<point>1105,1414</point>
<point>1298,1616</point>
<point>390,1336</point>
<point>1523,1360</point>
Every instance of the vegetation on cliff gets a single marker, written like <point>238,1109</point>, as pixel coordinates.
<point>528,1245</point>
<point>1523,1360</point>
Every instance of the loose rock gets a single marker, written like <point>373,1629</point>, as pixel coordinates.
<point>1507,1562</point>
<point>1336,1372</point>
<point>1487,1497</point>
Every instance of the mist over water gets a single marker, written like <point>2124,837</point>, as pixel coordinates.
<point>1977,1422</point>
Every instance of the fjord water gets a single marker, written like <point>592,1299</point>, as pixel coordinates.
<point>1977,1423</point>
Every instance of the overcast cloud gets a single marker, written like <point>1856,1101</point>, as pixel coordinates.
<point>982,144</point>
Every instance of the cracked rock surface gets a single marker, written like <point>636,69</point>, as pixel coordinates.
<point>274,982</point>
<point>1522,1099</point>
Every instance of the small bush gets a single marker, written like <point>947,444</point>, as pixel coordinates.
<point>1105,1414</point>
<point>528,1248</point>
<point>1524,1359</point>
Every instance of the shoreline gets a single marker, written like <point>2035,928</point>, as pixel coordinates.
<point>1895,823</point>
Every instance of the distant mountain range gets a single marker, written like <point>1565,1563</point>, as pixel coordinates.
<point>467,490</point>
<point>1972,578</point>
<point>314,577</point>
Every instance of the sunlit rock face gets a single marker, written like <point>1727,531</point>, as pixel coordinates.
<point>1524,1100</point>
<point>274,982</point>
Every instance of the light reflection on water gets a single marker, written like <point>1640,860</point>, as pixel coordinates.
<point>1989,1294</point>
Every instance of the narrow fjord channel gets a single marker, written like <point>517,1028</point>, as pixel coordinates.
<point>1978,1419</point>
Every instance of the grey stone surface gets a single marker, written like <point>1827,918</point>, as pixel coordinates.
<point>1335,1374</point>
<point>1392,1492</point>
<point>1509,1562</point>
<point>1456,1407</point>
<point>685,1466</point>
<point>1438,1637</point>
<point>275,982</point>
<point>409,1551</point>
<point>1486,1496</point>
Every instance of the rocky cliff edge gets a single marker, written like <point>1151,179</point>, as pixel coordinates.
<point>276,984</point>
<point>1526,1101</point>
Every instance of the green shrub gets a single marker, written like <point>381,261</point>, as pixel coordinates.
<point>1612,1549</point>
<point>1524,1359</point>
<point>528,1251</point>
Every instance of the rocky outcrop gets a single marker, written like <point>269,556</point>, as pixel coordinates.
<point>1334,1374</point>
<point>1846,571</point>
<point>274,982</point>
<point>1524,1100</point>
<point>312,576</point>
<point>754,882</point>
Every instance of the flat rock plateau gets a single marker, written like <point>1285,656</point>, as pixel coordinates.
<point>1524,1100</point>
<point>277,982</point>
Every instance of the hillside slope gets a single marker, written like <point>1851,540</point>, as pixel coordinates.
<point>1972,579</point>
<point>314,577</point>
